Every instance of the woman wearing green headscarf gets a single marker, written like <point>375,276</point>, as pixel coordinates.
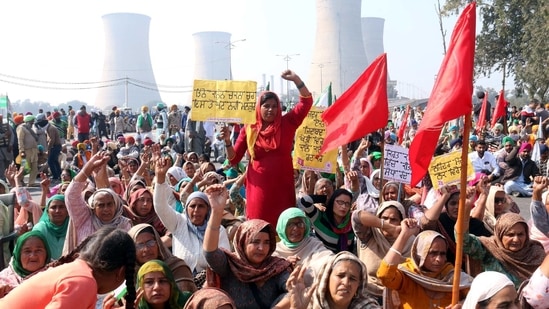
<point>157,286</point>
<point>30,255</point>
<point>296,245</point>
<point>54,223</point>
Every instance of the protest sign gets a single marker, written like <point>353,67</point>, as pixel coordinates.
<point>224,101</point>
<point>308,140</point>
<point>446,169</point>
<point>396,164</point>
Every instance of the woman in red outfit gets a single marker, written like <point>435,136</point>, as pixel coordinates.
<point>270,141</point>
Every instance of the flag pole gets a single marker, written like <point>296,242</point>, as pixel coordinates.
<point>382,162</point>
<point>462,215</point>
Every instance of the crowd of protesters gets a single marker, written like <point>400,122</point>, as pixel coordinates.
<point>145,219</point>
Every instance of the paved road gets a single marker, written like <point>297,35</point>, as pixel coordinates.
<point>524,205</point>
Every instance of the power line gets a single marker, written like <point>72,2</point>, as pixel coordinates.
<point>84,83</point>
<point>60,88</point>
<point>59,83</point>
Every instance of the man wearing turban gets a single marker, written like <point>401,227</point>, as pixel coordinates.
<point>28,147</point>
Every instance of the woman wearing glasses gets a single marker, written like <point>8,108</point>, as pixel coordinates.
<point>296,244</point>
<point>332,226</point>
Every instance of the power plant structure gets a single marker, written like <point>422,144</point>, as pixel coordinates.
<point>339,55</point>
<point>212,55</point>
<point>372,37</point>
<point>127,59</point>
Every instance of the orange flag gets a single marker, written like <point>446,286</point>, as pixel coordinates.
<point>500,110</point>
<point>361,109</point>
<point>481,123</point>
<point>451,94</point>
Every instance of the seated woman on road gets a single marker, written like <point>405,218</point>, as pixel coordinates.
<point>188,228</point>
<point>447,220</point>
<point>394,191</point>
<point>509,250</point>
<point>341,283</point>
<point>54,224</point>
<point>491,289</point>
<point>425,279</point>
<point>140,209</point>
<point>159,289</point>
<point>497,203</point>
<point>296,244</point>
<point>332,226</point>
<point>149,246</point>
<point>250,275</point>
<point>31,254</point>
<point>104,207</point>
<point>376,234</point>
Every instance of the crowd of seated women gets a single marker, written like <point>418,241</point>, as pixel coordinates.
<point>351,241</point>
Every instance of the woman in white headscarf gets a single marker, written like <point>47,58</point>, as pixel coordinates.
<point>104,207</point>
<point>493,289</point>
<point>189,227</point>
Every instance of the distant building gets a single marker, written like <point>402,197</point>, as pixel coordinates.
<point>339,55</point>
<point>127,57</point>
<point>212,55</point>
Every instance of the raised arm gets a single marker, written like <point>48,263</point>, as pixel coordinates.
<point>538,207</point>
<point>217,195</point>
<point>432,214</point>
<point>409,227</point>
<point>167,214</point>
<point>76,205</point>
<point>483,186</point>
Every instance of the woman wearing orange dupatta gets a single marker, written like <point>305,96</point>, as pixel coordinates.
<point>269,142</point>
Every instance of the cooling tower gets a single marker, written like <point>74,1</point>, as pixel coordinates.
<point>212,55</point>
<point>339,55</point>
<point>127,55</point>
<point>372,37</point>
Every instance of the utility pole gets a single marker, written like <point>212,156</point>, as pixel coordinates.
<point>126,94</point>
<point>287,58</point>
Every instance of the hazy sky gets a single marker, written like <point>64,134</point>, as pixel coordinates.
<point>62,41</point>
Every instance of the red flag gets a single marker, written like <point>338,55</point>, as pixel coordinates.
<point>403,125</point>
<point>360,110</point>
<point>481,123</point>
<point>499,111</point>
<point>451,94</point>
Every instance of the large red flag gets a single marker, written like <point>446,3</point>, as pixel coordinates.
<point>500,110</point>
<point>403,125</point>
<point>481,122</point>
<point>451,94</point>
<point>360,110</point>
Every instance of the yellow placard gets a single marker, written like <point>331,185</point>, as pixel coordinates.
<point>446,169</point>
<point>224,101</point>
<point>308,140</point>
